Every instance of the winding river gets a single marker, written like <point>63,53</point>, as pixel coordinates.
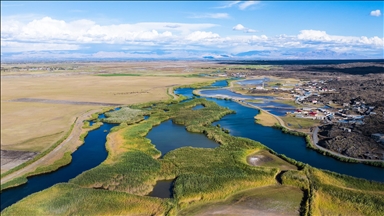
<point>93,151</point>
<point>87,156</point>
<point>242,124</point>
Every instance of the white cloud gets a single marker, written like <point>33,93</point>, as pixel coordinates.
<point>323,37</point>
<point>242,5</point>
<point>201,35</point>
<point>313,35</point>
<point>376,13</point>
<point>48,29</point>
<point>240,27</point>
<point>246,4</point>
<point>51,34</point>
<point>230,4</point>
<point>250,31</point>
<point>211,16</point>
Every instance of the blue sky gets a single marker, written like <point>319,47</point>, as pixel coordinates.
<point>192,29</point>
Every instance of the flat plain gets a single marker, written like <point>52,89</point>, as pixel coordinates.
<point>35,126</point>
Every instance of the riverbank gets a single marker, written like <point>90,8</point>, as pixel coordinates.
<point>55,158</point>
<point>202,176</point>
<point>266,118</point>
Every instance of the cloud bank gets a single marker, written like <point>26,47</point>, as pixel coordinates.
<point>49,34</point>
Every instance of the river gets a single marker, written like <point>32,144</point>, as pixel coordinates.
<point>242,124</point>
<point>87,156</point>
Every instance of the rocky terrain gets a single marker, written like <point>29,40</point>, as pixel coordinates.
<point>361,82</point>
<point>368,90</point>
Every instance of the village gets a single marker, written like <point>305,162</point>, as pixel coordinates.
<point>312,101</point>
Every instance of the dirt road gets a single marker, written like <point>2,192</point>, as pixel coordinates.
<point>69,144</point>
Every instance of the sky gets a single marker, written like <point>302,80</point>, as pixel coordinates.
<point>192,29</point>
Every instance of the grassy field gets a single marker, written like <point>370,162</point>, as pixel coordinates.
<point>207,180</point>
<point>69,199</point>
<point>161,68</point>
<point>299,123</point>
<point>266,119</point>
<point>35,126</point>
<point>133,166</point>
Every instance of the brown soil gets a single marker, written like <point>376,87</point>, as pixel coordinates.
<point>10,159</point>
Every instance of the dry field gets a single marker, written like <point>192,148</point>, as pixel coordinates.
<point>271,200</point>
<point>34,126</point>
<point>157,68</point>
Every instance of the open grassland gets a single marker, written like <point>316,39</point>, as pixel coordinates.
<point>206,180</point>
<point>266,119</point>
<point>299,123</point>
<point>329,193</point>
<point>158,68</point>
<point>335,194</point>
<point>69,199</point>
<point>35,126</point>
<point>269,200</point>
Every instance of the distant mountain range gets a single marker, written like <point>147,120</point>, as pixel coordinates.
<point>159,54</point>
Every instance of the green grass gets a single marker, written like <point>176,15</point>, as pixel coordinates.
<point>70,199</point>
<point>299,123</point>
<point>125,114</point>
<point>203,176</point>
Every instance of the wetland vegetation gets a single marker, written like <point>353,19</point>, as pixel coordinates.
<point>205,179</point>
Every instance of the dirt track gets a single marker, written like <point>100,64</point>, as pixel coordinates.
<point>69,144</point>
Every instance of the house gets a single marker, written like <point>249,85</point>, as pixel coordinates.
<point>346,129</point>
<point>320,117</point>
<point>312,113</point>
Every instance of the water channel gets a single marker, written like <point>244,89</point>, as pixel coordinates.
<point>87,156</point>
<point>242,124</point>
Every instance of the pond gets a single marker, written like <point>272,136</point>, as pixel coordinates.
<point>169,136</point>
<point>163,189</point>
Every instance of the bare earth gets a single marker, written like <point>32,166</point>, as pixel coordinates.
<point>270,201</point>
<point>10,159</point>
